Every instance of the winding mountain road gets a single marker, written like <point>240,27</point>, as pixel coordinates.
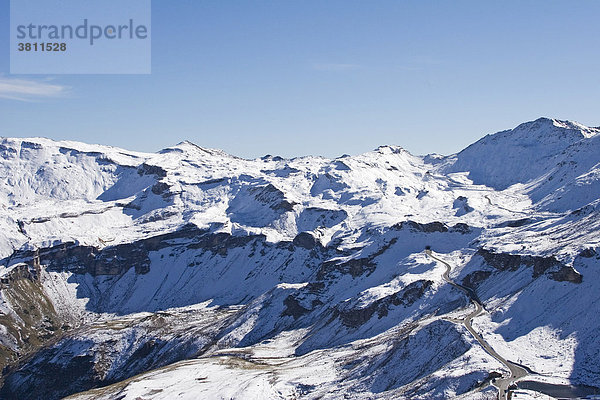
<point>516,372</point>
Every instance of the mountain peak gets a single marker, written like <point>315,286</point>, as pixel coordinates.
<point>546,126</point>
<point>525,153</point>
<point>186,143</point>
<point>187,147</point>
<point>390,149</point>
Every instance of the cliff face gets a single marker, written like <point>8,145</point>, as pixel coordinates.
<point>539,265</point>
<point>29,318</point>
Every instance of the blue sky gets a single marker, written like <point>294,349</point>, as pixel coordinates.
<point>325,77</point>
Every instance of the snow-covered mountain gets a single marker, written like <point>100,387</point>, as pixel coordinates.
<point>205,275</point>
<point>555,161</point>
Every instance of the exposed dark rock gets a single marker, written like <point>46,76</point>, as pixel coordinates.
<point>512,262</point>
<point>588,253</point>
<point>501,261</point>
<point>315,287</point>
<point>305,240</point>
<point>160,188</point>
<point>75,363</point>
<point>273,197</point>
<point>7,152</point>
<point>145,169</point>
<point>411,293</point>
<point>293,307</point>
<point>567,273</point>
<point>286,205</point>
<point>285,245</point>
<point>74,371</point>
<point>74,152</point>
<point>21,271</point>
<point>357,317</point>
<point>418,227</point>
<point>31,145</point>
<point>460,228</point>
<point>540,265</point>
<point>516,223</point>
<point>355,266</point>
<point>585,210</point>
<point>219,243</point>
<point>314,217</point>
<point>494,375</point>
<point>270,157</point>
<point>35,320</point>
<point>475,278</point>
<point>216,181</point>
<point>281,172</point>
<point>159,216</point>
<point>406,297</point>
<point>117,259</point>
<point>131,205</point>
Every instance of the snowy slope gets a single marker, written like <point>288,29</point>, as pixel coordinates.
<point>556,162</point>
<point>299,277</point>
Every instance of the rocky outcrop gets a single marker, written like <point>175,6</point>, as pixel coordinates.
<point>354,266</point>
<point>312,218</point>
<point>33,321</point>
<point>18,272</point>
<point>418,227</point>
<point>515,223</point>
<point>568,274</point>
<point>215,181</point>
<point>273,197</point>
<point>588,253</point>
<point>512,262</point>
<point>293,307</point>
<point>117,259</point>
<point>460,228</point>
<point>220,243</point>
<point>161,188</point>
<point>473,279</point>
<point>540,265</point>
<point>355,317</point>
<point>257,204</point>
<point>104,353</point>
<point>306,240</point>
<point>432,227</point>
<point>7,152</point>
<point>146,169</point>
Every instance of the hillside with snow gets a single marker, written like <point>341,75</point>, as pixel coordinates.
<point>192,273</point>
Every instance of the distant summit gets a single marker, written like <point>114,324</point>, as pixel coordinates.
<point>544,154</point>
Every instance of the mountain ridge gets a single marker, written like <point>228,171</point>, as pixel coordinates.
<point>584,130</point>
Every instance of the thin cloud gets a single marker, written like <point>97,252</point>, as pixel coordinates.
<point>335,67</point>
<point>29,90</point>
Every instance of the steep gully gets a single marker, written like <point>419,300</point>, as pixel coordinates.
<point>516,372</point>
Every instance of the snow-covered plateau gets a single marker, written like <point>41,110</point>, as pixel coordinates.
<point>195,274</point>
